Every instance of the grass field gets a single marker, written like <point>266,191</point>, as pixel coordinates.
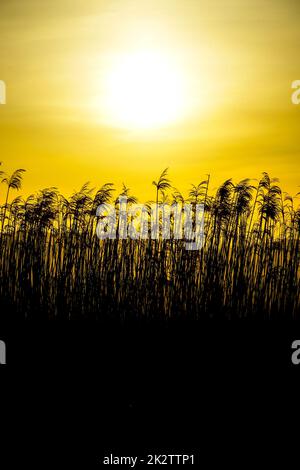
<point>54,266</point>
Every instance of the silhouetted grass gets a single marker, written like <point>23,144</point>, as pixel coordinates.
<point>53,265</point>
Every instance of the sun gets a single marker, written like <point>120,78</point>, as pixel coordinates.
<point>144,90</point>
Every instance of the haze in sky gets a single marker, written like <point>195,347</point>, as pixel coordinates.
<point>117,90</point>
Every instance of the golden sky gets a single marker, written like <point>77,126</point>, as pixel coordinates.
<point>227,82</point>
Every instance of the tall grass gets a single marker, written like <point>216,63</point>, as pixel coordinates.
<point>52,264</point>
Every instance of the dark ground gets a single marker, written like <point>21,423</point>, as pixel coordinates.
<point>75,392</point>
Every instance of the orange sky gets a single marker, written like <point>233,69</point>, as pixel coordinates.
<point>238,59</point>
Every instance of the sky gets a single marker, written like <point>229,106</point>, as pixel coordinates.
<point>78,72</point>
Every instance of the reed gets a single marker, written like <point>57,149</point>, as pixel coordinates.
<point>52,264</point>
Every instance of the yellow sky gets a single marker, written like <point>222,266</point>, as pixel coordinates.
<point>238,57</point>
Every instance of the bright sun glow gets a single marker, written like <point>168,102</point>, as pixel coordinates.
<point>144,90</point>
